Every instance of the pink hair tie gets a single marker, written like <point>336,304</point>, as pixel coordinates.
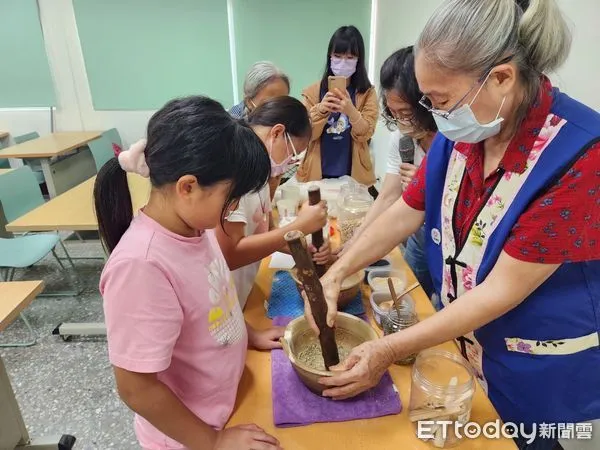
<point>116,150</point>
<point>133,160</point>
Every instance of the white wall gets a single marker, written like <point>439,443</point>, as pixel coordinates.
<point>579,76</point>
<point>397,24</point>
<point>23,120</point>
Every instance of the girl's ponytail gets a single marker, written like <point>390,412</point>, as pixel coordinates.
<point>112,201</point>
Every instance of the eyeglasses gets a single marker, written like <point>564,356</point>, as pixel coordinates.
<point>385,115</point>
<point>426,103</point>
<point>295,153</point>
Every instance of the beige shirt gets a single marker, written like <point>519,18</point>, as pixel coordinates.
<point>363,128</point>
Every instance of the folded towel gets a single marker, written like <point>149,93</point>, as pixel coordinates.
<point>295,405</point>
<point>286,300</point>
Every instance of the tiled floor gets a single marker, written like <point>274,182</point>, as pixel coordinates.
<point>67,387</point>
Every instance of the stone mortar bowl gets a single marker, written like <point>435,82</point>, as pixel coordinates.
<point>350,332</point>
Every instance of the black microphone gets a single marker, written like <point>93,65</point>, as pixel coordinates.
<point>407,150</point>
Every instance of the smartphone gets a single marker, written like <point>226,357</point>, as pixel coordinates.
<point>336,82</point>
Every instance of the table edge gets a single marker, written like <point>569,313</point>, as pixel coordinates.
<point>39,287</point>
<point>49,155</point>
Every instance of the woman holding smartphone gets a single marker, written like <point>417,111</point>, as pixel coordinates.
<point>343,120</point>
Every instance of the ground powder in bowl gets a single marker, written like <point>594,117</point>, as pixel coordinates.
<point>311,355</point>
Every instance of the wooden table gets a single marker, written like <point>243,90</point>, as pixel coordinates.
<point>254,403</point>
<point>14,297</point>
<point>48,149</point>
<point>74,209</point>
<point>52,145</point>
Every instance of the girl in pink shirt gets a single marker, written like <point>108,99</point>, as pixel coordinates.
<point>176,334</point>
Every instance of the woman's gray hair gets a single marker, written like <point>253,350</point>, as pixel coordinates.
<point>474,35</point>
<point>260,74</point>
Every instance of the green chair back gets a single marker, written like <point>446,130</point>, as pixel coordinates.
<point>26,137</point>
<point>102,151</point>
<point>113,137</point>
<point>19,193</point>
<point>4,164</point>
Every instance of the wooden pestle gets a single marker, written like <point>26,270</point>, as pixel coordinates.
<point>314,198</point>
<point>395,298</point>
<point>314,292</point>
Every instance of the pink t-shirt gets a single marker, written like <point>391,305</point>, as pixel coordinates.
<point>171,308</point>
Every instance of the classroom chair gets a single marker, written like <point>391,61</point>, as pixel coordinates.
<point>19,194</point>
<point>102,151</point>
<point>114,137</point>
<point>4,163</point>
<point>26,137</point>
<point>36,167</point>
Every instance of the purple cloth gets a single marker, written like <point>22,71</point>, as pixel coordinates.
<point>295,405</point>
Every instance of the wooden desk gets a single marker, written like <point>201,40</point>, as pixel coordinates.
<point>74,209</point>
<point>47,148</point>
<point>55,144</point>
<point>14,297</point>
<point>254,403</point>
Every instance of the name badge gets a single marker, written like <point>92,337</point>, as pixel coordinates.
<point>436,236</point>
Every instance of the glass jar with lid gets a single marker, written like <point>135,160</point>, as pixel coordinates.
<point>353,205</point>
<point>392,322</point>
<point>441,392</point>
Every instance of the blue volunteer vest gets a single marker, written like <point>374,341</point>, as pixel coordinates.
<point>540,362</point>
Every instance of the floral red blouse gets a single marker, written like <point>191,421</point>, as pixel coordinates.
<point>562,225</point>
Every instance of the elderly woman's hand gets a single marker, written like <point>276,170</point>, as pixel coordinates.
<point>360,371</point>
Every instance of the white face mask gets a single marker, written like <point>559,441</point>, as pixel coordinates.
<point>280,168</point>
<point>461,125</point>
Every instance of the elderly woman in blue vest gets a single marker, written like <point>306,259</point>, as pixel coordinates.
<point>512,211</point>
<point>263,82</point>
